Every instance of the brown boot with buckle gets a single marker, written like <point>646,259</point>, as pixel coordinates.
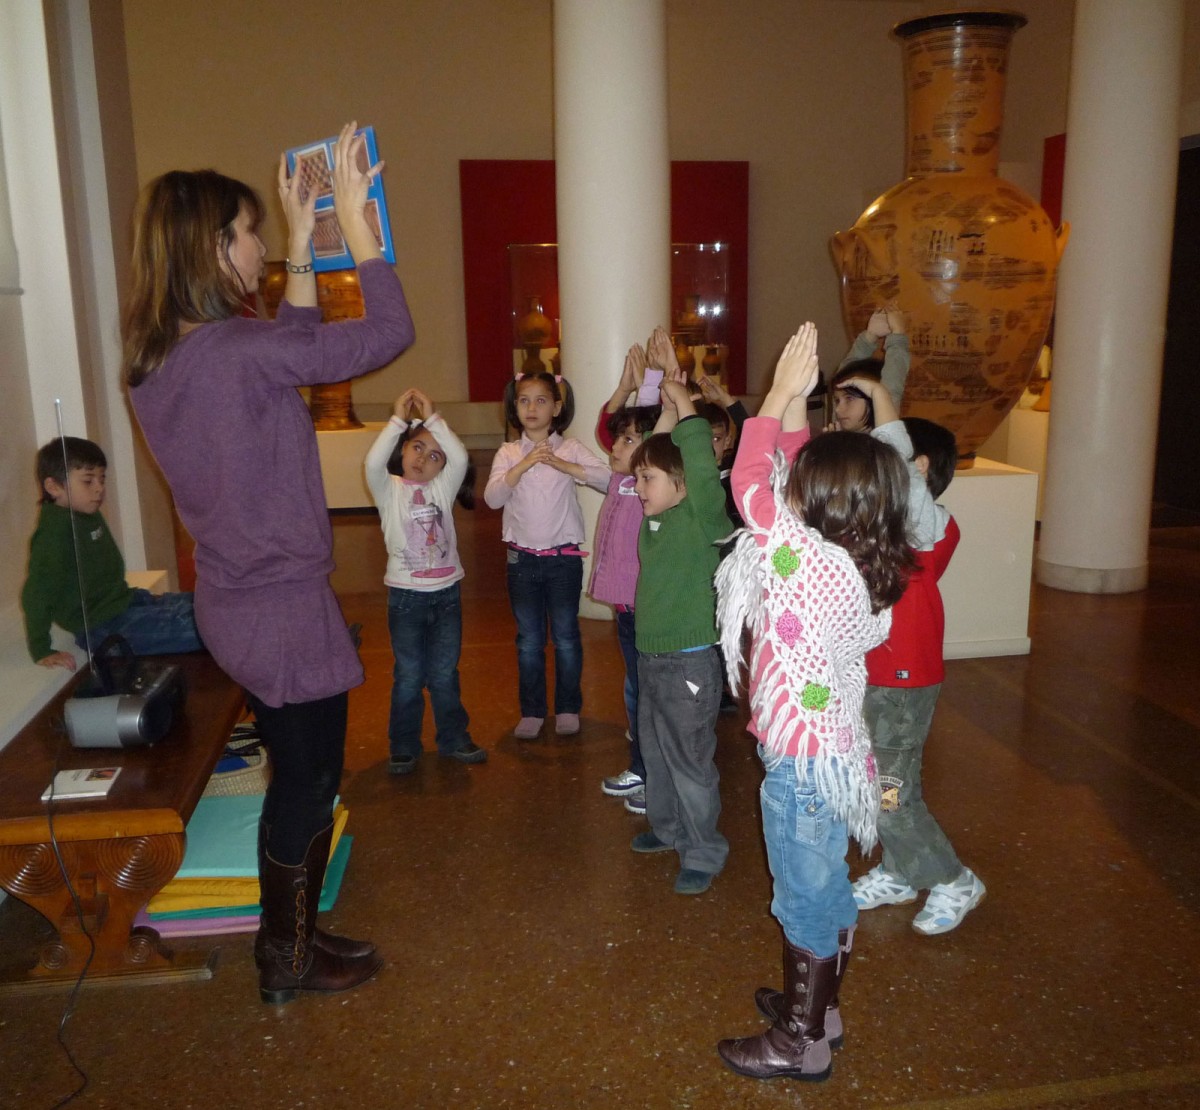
<point>336,946</point>
<point>794,1047</point>
<point>770,1001</point>
<point>286,953</point>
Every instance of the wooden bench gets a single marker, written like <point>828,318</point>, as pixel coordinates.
<point>118,851</point>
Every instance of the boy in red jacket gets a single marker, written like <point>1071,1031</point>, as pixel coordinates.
<point>904,677</point>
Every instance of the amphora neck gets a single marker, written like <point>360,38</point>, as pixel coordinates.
<point>954,71</point>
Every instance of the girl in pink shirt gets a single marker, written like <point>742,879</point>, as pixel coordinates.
<point>533,479</point>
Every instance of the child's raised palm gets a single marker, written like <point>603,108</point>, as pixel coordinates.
<point>796,372</point>
<point>661,351</point>
<point>635,368</point>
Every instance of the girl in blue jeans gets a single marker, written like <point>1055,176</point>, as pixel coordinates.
<point>533,479</point>
<point>814,575</point>
<point>415,470</point>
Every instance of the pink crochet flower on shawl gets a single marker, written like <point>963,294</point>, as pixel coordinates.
<point>788,627</point>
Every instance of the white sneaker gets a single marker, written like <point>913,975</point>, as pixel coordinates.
<point>949,903</point>
<point>881,888</point>
<point>627,782</point>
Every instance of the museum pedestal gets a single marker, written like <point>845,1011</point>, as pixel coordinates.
<point>987,585</point>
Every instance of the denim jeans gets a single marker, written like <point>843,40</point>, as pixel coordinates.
<point>545,588</point>
<point>426,633</point>
<point>154,624</point>
<point>806,851</point>
<point>914,845</point>
<point>679,698</point>
<point>627,638</point>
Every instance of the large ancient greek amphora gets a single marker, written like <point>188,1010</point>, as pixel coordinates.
<point>339,297</point>
<point>970,259</point>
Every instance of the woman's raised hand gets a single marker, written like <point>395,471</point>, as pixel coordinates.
<point>351,180</point>
<point>298,210</point>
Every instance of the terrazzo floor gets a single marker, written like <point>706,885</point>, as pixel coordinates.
<point>534,961</point>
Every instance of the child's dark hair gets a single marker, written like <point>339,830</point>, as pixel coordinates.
<point>662,453</point>
<point>640,420</point>
<point>395,465</point>
<point>78,453</point>
<point>716,416</point>
<point>853,489</point>
<point>939,446</point>
<point>859,368</point>
<point>560,390</point>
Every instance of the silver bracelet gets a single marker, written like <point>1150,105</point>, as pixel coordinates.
<point>294,269</point>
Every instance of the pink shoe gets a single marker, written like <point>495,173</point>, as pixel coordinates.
<point>528,728</point>
<point>566,724</point>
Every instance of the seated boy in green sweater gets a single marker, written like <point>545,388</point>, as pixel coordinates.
<point>71,473</point>
<point>679,671</point>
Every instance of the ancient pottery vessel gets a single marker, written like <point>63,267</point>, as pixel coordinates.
<point>533,329</point>
<point>970,259</point>
<point>340,298</point>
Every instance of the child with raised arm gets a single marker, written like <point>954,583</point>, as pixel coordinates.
<point>615,564</point>
<point>533,479</point>
<point>416,470</point>
<point>904,680</point>
<point>823,558</point>
<point>679,675</point>
<point>92,591</point>
<point>852,409</point>
<point>725,415</point>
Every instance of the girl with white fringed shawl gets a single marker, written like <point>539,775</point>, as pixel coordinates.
<point>813,576</point>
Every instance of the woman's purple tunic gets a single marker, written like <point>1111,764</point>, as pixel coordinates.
<point>236,444</point>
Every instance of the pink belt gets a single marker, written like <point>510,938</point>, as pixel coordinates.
<point>565,549</point>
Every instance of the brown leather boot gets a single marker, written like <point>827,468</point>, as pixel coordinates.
<point>770,1001</point>
<point>794,1047</point>
<point>336,946</point>
<point>288,959</point>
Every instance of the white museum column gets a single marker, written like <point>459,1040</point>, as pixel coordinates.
<point>1118,194</point>
<point>613,173</point>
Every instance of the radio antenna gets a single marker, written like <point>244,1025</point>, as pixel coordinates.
<point>62,442</point>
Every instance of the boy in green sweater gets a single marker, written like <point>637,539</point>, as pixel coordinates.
<point>679,671</point>
<point>71,476</point>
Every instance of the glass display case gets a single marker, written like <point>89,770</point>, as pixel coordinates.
<point>700,306</point>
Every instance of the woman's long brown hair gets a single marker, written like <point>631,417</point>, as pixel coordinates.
<point>183,220</point>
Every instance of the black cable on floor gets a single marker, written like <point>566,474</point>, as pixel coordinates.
<point>73,997</point>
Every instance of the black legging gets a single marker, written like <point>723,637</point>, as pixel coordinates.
<point>306,742</point>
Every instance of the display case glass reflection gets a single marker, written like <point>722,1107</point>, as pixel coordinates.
<point>700,306</point>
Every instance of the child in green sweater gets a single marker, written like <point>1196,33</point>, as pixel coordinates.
<point>71,476</point>
<point>679,671</point>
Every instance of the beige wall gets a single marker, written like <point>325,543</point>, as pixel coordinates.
<point>18,487</point>
<point>809,92</point>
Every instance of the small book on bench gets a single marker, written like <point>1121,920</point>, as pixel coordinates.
<point>87,782</point>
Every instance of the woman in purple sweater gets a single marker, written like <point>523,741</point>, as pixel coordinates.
<point>215,393</point>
